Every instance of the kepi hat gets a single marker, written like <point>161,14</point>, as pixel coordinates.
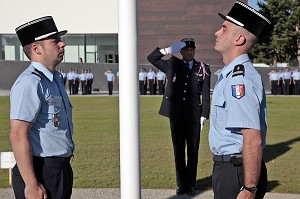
<point>247,17</point>
<point>37,30</point>
<point>190,42</point>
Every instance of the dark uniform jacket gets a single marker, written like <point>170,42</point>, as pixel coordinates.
<point>184,88</point>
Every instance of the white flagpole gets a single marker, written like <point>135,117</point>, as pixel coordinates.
<point>129,101</point>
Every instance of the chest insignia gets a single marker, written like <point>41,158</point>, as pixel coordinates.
<point>55,120</point>
<point>238,91</point>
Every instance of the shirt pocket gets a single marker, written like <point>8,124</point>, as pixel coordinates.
<point>220,110</point>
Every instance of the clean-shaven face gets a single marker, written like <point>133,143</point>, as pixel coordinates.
<point>224,37</point>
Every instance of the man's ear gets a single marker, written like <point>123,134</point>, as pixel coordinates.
<point>240,40</point>
<point>36,48</point>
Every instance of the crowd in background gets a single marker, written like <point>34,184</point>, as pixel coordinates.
<point>152,81</point>
<point>76,81</point>
<point>285,81</point>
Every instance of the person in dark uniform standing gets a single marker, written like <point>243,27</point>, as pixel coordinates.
<point>238,123</point>
<point>41,117</point>
<point>188,81</point>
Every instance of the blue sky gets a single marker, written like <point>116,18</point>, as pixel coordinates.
<point>253,3</point>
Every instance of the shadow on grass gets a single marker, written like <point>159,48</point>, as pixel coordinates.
<point>272,185</point>
<point>271,152</point>
<point>200,187</point>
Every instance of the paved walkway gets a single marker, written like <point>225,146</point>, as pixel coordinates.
<point>146,194</point>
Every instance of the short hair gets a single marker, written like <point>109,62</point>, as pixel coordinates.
<point>251,39</point>
<point>27,48</point>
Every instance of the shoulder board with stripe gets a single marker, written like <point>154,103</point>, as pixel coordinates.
<point>37,73</point>
<point>238,70</point>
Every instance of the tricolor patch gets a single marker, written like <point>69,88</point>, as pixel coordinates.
<point>238,91</point>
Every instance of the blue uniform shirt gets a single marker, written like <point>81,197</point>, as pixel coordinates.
<point>238,102</point>
<point>160,75</point>
<point>274,76</point>
<point>37,100</point>
<point>110,76</point>
<point>296,75</point>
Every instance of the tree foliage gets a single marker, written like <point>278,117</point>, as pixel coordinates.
<point>281,41</point>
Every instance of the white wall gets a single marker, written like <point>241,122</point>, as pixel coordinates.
<point>76,16</point>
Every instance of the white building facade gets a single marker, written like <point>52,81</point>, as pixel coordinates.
<point>92,27</point>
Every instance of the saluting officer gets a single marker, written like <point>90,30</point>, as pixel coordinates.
<point>188,80</point>
<point>41,117</point>
<point>238,124</point>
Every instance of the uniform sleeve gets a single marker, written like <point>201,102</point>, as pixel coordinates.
<point>243,105</point>
<point>25,101</point>
<point>155,58</point>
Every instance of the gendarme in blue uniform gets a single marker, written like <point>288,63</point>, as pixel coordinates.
<point>42,100</point>
<point>238,102</point>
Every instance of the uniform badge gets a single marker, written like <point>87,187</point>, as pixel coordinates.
<point>55,120</point>
<point>238,91</point>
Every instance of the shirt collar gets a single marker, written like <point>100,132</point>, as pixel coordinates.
<point>238,60</point>
<point>43,69</point>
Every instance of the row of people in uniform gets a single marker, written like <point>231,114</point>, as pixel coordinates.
<point>285,82</point>
<point>74,79</point>
<point>150,80</point>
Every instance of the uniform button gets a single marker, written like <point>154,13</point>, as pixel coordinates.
<point>185,83</point>
<point>183,98</point>
<point>166,97</point>
<point>184,91</point>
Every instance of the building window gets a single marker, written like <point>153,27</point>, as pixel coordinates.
<point>94,48</point>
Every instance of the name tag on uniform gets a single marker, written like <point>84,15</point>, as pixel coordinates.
<point>55,101</point>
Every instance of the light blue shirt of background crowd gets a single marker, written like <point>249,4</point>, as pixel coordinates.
<point>110,76</point>
<point>160,75</point>
<point>142,76</point>
<point>36,100</point>
<point>151,75</point>
<point>286,75</point>
<point>296,75</point>
<point>229,115</point>
<point>274,76</point>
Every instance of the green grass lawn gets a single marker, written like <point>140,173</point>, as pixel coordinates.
<point>96,135</point>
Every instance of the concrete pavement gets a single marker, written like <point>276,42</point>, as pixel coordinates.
<point>100,193</point>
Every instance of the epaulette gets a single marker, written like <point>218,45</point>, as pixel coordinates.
<point>238,70</point>
<point>37,73</point>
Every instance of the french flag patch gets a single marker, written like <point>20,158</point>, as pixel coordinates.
<point>238,91</point>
